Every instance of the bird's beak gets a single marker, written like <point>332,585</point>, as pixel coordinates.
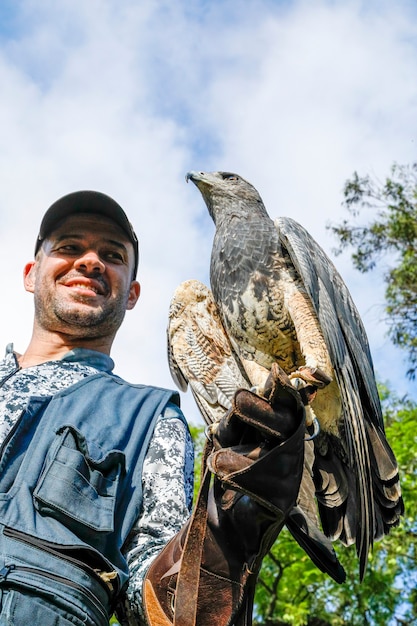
<point>194,176</point>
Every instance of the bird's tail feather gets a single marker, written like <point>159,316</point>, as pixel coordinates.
<point>316,545</point>
<point>386,483</point>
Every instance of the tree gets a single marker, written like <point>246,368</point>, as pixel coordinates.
<point>393,228</point>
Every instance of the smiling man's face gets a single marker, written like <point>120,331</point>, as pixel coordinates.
<point>82,278</point>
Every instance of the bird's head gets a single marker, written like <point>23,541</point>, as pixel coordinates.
<point>225,192</point>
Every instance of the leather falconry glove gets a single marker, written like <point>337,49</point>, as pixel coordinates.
<point>206,574</point>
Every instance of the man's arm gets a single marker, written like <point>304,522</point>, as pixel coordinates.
<point>167,481</point>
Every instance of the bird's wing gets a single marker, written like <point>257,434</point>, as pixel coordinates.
<point>339,318</point>
<point>200,354</point>
<point>349,352</point>
<point>199,351</point>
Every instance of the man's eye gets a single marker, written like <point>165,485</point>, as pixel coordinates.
<point>68,247</point>
<point>114,256</point>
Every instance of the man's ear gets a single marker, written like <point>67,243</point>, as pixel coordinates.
<point>29,275</point>
<point>134,294</point>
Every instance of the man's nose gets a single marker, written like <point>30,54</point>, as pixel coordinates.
<point>90,262</point>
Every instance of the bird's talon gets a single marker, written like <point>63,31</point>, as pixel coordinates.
<point>316,429</point>
<point>312,376</point>
<point>210,430</point>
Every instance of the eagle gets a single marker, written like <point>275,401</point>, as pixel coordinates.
<point>276,298</point>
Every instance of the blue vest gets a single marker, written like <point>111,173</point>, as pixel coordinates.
<point>70,492</point>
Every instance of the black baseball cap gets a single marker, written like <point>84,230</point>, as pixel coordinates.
<point>87,202</point>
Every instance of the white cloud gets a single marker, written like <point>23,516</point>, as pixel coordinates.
<point>126,97</point>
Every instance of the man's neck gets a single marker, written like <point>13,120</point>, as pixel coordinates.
<point>53,346</point>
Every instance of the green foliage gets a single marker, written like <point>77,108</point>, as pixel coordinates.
<point>291,588</point>
<point>392,229</point>
<point>199,440</point>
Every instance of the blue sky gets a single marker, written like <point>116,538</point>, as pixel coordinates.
<point>126,96</point>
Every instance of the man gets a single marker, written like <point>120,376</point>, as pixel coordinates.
<point>96,473</point>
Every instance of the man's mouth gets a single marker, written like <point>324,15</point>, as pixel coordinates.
<point>86,287</point>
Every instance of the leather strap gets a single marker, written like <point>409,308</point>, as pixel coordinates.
<point>185,613</point>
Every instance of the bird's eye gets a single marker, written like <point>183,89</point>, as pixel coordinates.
<point>227,176</point>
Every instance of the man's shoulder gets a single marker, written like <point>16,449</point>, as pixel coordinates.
<point>123,381</point>
<point>171,395</point>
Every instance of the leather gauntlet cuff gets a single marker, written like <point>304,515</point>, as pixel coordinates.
<point>206,574</point>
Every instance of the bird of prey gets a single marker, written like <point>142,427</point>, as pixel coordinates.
<point>277,297</point>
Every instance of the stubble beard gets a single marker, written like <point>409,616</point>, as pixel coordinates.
<point>82,321</point>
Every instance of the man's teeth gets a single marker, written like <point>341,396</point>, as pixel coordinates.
<point>80,286</point>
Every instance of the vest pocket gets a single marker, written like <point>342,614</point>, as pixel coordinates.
<point>19,609</point>
<point>75,487</point>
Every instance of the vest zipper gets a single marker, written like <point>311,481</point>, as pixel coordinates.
<point>51,549</point>
<point>6,378</point>
<point>10,434</point>
<point>13,428</point>
<point>7,569</point>
<point>4,572</point>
